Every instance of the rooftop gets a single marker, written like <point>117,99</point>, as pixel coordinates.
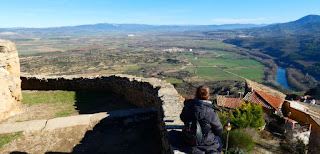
<point>228,102</point>
<point>275,102</point>
<point>259,87</point>
<point>254,98</point>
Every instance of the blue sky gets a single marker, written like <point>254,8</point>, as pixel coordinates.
<point>52,13</point>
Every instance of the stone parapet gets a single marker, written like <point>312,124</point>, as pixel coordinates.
<point>141,92</point>
<point>10,91</point>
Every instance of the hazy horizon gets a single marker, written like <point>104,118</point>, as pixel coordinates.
<point>58,13</point>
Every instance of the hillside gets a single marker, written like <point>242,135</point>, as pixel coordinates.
<point>308,25</point>
<point>294,44</point>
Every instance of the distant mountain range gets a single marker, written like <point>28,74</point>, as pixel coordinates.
<point>304,26</point>
<point>135,27</point>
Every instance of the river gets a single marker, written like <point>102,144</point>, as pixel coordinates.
<point>281,78</point>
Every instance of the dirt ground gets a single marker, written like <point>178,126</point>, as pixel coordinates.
<point>98,103</point>
<point>108,136</point>
<point>263,146</point>
<point>35,112</point>
<point>61,140</point>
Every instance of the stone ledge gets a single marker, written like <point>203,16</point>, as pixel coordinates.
<point>64,122</point>
<point>35,125</point>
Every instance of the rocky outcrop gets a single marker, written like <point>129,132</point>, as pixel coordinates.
<point>10,91</point>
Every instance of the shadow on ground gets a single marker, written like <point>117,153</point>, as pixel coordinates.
<point>115,134</point>
<point>118,136</point>
<point>88,102</point>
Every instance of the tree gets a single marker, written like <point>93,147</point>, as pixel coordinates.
<point>249,115</point>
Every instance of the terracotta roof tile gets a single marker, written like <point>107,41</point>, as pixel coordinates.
<point>272,100</point>
<point>265,89</point>
<point>253,98</point>
<point>228,102</point>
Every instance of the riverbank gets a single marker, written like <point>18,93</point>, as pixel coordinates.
<point>281,79</point>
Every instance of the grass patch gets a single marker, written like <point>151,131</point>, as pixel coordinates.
<point>254,74</point>
<point>226,55</point>
<point>226,62</point>
<point>64,113</point>
<point>207,67</point>
<point>35,97</point>
<point>63,100</point>
<point>215,74</point>
<point>21,120</point>
<point>66,103</point>
<point>5,139</point>
<point>174,80</point>
<point>190,69</point>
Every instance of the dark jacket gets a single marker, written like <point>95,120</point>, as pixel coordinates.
<point>204,112</point>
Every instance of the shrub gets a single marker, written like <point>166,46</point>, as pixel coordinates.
<point>224,117</point>
<point>238,139</point>
<point>249,115</point>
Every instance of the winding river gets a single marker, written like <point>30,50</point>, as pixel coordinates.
<point>281,78</point>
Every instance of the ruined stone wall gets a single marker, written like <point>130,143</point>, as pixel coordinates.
<point>10,83</point>
<point>142,92</point>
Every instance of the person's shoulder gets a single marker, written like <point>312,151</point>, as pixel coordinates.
<point>188,102</point>
<point>212,107</point>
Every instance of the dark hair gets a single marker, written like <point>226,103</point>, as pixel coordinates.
<point>203,93</point>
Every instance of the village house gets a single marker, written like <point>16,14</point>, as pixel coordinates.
<point>304,114</point>
<point>229,102</point>
<point>271,100</point>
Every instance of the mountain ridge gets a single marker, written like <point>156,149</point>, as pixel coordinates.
<point>139,27</point>
<point>306,25</point>
<point>293,44</point>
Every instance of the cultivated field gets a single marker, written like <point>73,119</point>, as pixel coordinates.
<point>184,59</point>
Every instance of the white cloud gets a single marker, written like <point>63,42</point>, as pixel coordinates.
<point>239,20</point>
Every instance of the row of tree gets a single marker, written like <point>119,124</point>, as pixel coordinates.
<point>300,81</point>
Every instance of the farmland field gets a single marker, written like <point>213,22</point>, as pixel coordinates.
<point>181,59</point>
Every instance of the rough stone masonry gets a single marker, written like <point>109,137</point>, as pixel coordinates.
<point>10,83</point>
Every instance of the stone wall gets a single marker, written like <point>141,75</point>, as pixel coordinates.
<point>10,91</point>
<point>142,92</point>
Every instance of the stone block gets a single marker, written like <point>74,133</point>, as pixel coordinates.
<point>97,117</point>
<point>35,125</point>
<point>71,121</point>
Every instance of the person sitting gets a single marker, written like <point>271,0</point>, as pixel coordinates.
<point>203,111</point>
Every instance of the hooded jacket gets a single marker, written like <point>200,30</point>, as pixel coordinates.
<point>204,112</point>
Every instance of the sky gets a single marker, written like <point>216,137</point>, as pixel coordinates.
<point>55,13</point>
